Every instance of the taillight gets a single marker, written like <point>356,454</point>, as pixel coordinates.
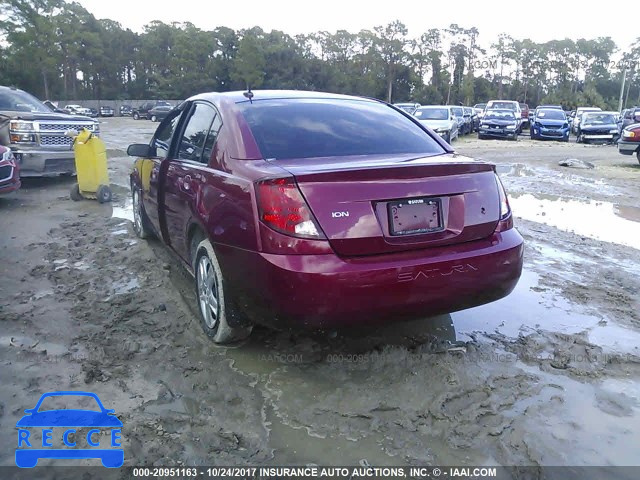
<point>283,208</point>
<point>506,219</point>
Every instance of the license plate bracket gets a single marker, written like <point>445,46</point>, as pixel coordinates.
<point>415,216</point>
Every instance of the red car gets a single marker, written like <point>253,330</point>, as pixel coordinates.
<point>9,171</point>
<point>629,142</point>
<point>311,209</point>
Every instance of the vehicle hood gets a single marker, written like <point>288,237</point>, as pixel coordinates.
<point>69,418</point>
<point>29,116</point>
<point>550,122</point>
<point>436,123</point>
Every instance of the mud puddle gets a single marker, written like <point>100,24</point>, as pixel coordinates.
<point>602,221</point>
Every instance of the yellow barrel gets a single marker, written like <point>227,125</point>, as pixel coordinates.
<point>91,166</point>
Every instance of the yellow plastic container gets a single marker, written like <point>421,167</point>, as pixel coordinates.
<point>91,167</point>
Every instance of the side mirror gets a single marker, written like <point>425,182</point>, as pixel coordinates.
<point>141,150</point>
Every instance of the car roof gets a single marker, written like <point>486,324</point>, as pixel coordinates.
<point>239,97</point>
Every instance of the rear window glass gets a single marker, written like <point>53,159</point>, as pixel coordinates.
<point>508,105</point>
<point>307,128</point>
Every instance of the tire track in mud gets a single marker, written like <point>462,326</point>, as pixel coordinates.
<point>183,404</point>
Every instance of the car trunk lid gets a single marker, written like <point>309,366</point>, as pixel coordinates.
<point>381,204</point>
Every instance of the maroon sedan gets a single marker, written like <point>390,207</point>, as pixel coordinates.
<point>321,210</point>
<point>9,172</point>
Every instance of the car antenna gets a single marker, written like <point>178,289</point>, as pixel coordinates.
<point>248,94</point>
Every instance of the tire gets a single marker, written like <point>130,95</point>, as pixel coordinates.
<point>103,195</point>
<point>136,116</point>
<point>154,118</point>
<point>75,194</point>
<point>214,304</point>
<point>638,155</point>
<point>481,137</point>
<point>141,224</point>
<point>514,138</point>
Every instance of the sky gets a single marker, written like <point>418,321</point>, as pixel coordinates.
<point>564,20</point>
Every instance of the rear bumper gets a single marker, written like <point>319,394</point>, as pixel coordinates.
<point>628,148</point>
<point>42,163</point>
<point>318,291</point>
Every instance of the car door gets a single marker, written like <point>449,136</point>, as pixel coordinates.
<point>186,173</point>
<point>151,169</point>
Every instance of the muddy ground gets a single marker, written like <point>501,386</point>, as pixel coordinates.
<point>549,375</point>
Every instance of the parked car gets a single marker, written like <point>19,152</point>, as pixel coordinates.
<point>77,110</point>
<point>550,123</point>
<point>410,108</point>
<point>630,116</point>
<point>598,126</point>
<point>499,123</point>
<point>35,134</point>
<point>143,110</point>
<point>292,207</point>
<point>479,108</point>
<point>9,171</point>
<point>629,142</point>
<point>575,125</point>
<point>157,114</point>
<point>126,110</point>
<point>464,124</point>
<point>93,112</point>
<point>107,111</point>
<point>440,119</point>
<point>524,111</point>
<point>473,115</point>
<point>508,105</point>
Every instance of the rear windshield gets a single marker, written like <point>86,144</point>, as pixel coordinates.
<point>432,113</point>
<point>307,128</point>
<point>507,105</point>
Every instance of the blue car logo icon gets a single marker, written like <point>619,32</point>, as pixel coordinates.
<point>29,450</point>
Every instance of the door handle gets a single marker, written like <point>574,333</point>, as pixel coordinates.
<point>186,183</point>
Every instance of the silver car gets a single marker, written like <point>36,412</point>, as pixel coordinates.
<point>440,119</point>
<point>36,135</point>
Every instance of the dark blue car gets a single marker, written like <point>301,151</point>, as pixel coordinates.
<point>550,123</point>
<point>499,123</point>
<point>28,455</point>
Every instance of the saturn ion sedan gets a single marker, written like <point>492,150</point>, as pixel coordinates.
<point>317,210</point>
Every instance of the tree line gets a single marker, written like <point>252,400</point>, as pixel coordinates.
<point>59,50</point>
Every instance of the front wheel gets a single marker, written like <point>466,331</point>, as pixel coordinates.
<point>215,306</point>
<point>136,116</point>
<point>154,118</point>
<point>140,221</point>
<point>638,155</point>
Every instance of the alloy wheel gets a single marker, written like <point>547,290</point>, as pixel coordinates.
<point>137,213</point>
<point>208,292</point>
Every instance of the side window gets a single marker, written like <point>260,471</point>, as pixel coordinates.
<point>195,132</point>
<point>209,143</point>
<point>162,138</point>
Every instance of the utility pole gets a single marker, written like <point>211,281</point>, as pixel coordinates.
<point>624,78</point>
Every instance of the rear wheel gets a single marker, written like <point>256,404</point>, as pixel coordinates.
<point>215,306</point>
<point>154,118</point>
<point>136,116</point>
<point>103,195</point>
